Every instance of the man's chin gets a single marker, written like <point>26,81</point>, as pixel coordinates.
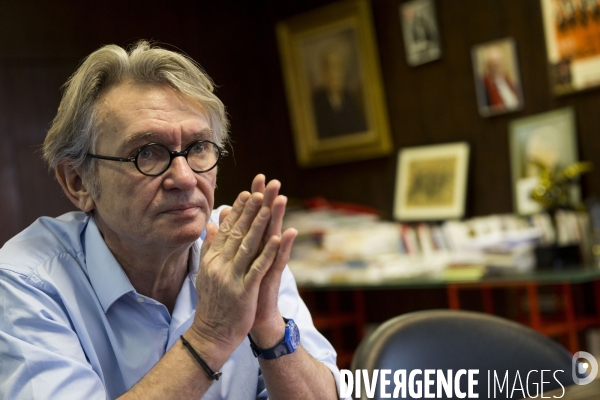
<point>183,231</point>
<point>180,237</point>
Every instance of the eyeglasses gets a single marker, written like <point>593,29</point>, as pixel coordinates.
<point>153,159</point>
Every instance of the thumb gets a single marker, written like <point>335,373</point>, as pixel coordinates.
<point>224,213</point>
<point>211,232</point>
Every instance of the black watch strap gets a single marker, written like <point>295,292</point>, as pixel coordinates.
<point>288,345</point>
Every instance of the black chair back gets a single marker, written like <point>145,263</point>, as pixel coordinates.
<point>443,340</point>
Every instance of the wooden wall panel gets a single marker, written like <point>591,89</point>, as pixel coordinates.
<point>29,97</point>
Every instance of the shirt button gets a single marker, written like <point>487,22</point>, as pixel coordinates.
<point>140,300</point>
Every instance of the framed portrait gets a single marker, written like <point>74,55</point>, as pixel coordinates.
<point>497,80</point>
<point>431,182</point>
<point>572,44</point>
<point>420,30</point>
<point>333,84</point>
<point>541,141</point>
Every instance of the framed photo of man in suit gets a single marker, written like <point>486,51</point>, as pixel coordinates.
<point>333,84</point>
<point>420,30</point>
<point>497,80</point>
<point>336,84</point>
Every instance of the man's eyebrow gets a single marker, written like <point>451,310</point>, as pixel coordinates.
<point>204,134</point>
<point>138,136</point>
<point>135,138</point>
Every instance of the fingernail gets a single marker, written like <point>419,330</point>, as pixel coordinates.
<point>244,196</point>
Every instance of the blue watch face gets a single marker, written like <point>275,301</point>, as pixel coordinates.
<point>294,334</point>
<point>290,343</point>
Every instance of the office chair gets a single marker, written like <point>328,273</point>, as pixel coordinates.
<point>445,340</point>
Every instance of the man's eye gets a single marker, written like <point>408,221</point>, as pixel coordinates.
<point>146,153</point>
<point>198,148</point>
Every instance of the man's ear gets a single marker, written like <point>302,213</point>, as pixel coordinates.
<point>72,183</point>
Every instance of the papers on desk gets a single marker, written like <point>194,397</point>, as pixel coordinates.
<point>334,245</point>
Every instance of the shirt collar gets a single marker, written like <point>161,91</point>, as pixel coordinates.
<point>106,275</point>
<point>194,259</point>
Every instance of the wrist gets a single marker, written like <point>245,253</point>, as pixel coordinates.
<point>288,345</point>
<point>269,335</point>
<point>212,374</point>
<point>215,352</point>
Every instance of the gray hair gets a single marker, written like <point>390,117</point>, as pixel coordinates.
<point>75,128</point>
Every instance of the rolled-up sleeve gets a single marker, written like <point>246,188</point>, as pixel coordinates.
<point>292,306</point>
<point>40,354</point>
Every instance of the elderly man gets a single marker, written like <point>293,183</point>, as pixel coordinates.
<point>148,293</point>
<point>500,91</point>
<point>337,111</point>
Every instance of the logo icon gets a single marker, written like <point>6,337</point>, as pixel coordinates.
<point>581,368</point>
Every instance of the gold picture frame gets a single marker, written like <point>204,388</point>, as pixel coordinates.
<point>431,182</point>
<point>333,84</point>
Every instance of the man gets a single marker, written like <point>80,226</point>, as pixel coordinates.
<point>337,111</point>
<point>501,92</point>
<point>423,33</point>
<point>141,295</point>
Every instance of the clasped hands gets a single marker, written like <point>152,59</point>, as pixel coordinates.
<point>240,270</point>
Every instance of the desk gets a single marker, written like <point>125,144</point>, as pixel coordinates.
<point>568,323</point>
<point>590,391</point>
<point>563,281</point>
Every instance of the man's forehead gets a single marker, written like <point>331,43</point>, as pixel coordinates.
<point>146,97</point>
<point>132,111</point>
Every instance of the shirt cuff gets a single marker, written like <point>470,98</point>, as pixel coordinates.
<point>336,376</point>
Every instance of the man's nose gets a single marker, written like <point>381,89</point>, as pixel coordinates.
<point>179,175</point>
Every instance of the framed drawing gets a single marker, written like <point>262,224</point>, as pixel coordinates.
<point>333,84</point>
<point>572,44</point>
<point>420,30</point>
<point>497,80</point>
<point>431,182</point>
<point>541,141</point>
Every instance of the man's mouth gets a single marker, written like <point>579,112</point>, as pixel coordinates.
<point>183,209</point>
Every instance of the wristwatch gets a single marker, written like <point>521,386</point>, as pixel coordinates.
<point>290,343</point>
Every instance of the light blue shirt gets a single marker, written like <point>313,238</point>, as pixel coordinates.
<point>73,327</point>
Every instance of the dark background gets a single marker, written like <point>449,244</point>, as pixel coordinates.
<point>42,42</point>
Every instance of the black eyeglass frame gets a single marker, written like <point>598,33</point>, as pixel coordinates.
<point>184,153</point>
